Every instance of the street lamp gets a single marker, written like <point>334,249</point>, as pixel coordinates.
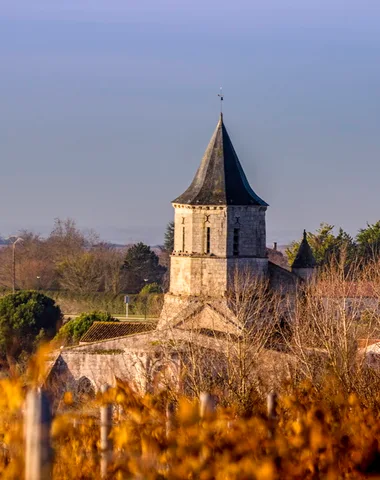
<point>14,243</point>
<point>146,297</point>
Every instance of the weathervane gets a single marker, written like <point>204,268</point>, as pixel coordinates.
<point>221,96</point>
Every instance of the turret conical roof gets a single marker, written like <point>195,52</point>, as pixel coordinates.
<point>304,257</point>
<point>220,179</point>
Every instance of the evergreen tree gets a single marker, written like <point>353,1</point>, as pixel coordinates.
<point>169,237</point>
<point>343,248</point>
<point>26,317</point>
<point>368,240</point>
<point>142,266</point>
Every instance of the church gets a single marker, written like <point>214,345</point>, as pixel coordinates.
<point>219,232</point>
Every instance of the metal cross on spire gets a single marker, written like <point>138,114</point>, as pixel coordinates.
<point>221,96</point>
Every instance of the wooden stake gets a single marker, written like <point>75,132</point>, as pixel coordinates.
<point>105,430</point>
<point>170,413</point>
<point>207,404</point>
<point>272,405</point>
<point>39,454</point>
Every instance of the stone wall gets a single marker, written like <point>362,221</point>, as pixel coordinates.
<point>250,221</point>
<point>102,367</point>
<point>198,275</point>
<point>194,221</point>
<point>191,223</point>
<point>103,362</point>
<point>281,280</point>
<point>173,306</point>
<point>193,270</point>
<point>305,273</point>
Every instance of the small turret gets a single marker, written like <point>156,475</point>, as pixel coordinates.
<point>304,263</point>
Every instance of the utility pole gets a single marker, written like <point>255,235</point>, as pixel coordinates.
<point>18,240</point>
<point>14,267</point>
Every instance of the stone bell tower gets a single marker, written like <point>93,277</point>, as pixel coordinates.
<point>219,224</point>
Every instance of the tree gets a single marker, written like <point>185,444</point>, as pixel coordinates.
<point>257,309</point>
<point>327,323</point>
<point>368,240</point>
<point>142,265</point>
<point>35,269</point>
<point>111,263</point>
<point>66,239</point>
<point>231,363</point>
<point>169,237</point>
<point>343,249</point>
<point>149,301</point>
<point>81,273</point>
<point>74,330</point>
<point>25,318</point>
<point>150,289</point>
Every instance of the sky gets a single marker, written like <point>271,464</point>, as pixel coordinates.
<point>106,107</point>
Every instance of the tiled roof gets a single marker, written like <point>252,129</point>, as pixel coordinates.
<point>106,330</point>
<point>220,179</point>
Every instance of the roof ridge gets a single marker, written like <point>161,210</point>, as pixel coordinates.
<point>123,322</point>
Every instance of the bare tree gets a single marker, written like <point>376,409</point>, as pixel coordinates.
<point>257,309</point>
<point>33,265</point>
<point>81,273</point>
<point>66,239</point>
<point>225,357</point>
<point>326,324</point>
<point>111,261</point>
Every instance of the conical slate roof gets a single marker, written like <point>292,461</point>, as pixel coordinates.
<point>220,179</point>
<point>305,257</point>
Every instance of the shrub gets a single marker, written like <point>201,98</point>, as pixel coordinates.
<point>73,330</point>
<point>26,317</point>
<point>150,288</point>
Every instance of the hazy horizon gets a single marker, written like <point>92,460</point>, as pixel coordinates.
<point>107,108</point>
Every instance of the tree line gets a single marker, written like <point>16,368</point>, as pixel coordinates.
<point>72,260</point>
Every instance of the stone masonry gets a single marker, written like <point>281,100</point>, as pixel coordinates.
<point>196,271</point>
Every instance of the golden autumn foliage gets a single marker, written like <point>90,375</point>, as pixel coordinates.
<point>314,436</point>
<point>326,425</point>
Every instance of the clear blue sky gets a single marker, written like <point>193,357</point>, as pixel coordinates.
<point>107,107</point>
